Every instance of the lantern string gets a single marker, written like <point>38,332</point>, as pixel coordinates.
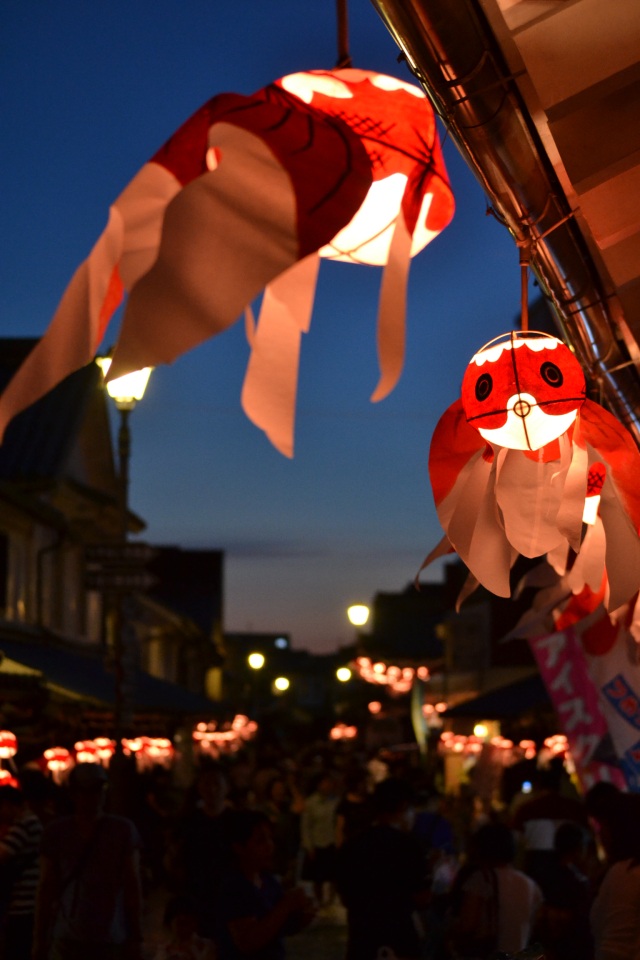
<point>344,57</point>
<point>525,247</point>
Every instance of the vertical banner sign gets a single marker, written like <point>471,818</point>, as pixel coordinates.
<point>612,656</point>
<point>563,667</point>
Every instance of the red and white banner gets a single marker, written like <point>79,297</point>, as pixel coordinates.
<point>577,702</point>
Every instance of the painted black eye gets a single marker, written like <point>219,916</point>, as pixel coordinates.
<point>484,386</point>
<point>551,374</point>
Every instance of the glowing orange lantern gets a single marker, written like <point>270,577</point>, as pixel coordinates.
<point>511,462</point>
<point>86,751</point>
<point>7,779</point>
<point>8,744</point>
<point>58,760</point>
<point>245,196</point>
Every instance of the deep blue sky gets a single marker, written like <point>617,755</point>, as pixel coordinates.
<point>90,89</point>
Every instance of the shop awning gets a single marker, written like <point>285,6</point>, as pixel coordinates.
<point>86,677</point>
<point>505,703</point>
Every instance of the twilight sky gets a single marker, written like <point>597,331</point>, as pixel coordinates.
<point>90,91</point>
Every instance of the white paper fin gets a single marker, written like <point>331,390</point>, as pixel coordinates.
<point>622,550</point>
<point>225,236</point>
<point>442,548</point>
<point>70,340</point>
<point>571,508</point>
<point>529,494</point>
<point>249,325</point>
<point>469,586</point>
<point>392,311</point>
<point>270,384</point>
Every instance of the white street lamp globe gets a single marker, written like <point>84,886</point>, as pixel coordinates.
<point>358,614</point>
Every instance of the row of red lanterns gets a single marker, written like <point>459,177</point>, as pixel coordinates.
<point>398,679</point>
<point>212,739</point>
<point>456,743</point>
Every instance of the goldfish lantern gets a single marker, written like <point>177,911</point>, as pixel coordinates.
<point>510,463</point>
<point>245,196</point>
<point>8,745</point>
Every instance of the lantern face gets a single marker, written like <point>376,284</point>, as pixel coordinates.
<point>524,392</point>
<point>396,124</point>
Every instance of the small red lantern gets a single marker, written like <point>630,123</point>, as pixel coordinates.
<point>8,745</point>
<point>7,779</point>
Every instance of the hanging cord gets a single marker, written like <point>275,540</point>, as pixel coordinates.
<point>525,247</point>
<point>344,57</point>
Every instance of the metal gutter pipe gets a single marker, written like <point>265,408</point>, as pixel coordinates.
<point>453,53</point>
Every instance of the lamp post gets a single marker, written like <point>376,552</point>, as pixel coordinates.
<point>125,391</point>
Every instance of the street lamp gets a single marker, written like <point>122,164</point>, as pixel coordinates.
<point>256,661</point>
<point>125,391</point>
<point>358,614</point>
<point>281,684</point>
<point>343,674</point>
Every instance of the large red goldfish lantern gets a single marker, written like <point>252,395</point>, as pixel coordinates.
<point>510,463</point>
<point>244,198</point>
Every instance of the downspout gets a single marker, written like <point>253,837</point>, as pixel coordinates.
<point>453,53</point>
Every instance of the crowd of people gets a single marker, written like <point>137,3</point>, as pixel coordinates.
<point>256,849</point>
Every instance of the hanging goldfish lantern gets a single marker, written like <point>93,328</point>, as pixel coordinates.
<point>510,461</point>
<point>245,196</point>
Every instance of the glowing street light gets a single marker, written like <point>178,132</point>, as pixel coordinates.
<point>343,674</point>
<point>358,614</point>
<point>128,389</point>
<point>281,684</point>
<point>256,661</point>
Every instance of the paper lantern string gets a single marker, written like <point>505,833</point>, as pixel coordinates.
<point>241,200</point>
<point>342,16</point>
<point>525,248</point>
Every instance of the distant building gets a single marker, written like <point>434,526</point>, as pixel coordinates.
<point>58,500</point>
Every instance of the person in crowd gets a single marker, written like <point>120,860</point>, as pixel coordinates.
<point>381,878</point>
<point>198,856</point>
<point>353,813</point>
<point>318,836</point>
<point>499,905</point>
<point>19,870</point>
<point>279,806</point>
<point>183,942</point>
<point>615,913</point>
<point>537,819</point>
<point>89,904</point>
<point>255,913</point>
<point>564,927</point>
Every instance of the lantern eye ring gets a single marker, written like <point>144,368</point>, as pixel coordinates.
<point>551,374</point>
<point>484,386</point>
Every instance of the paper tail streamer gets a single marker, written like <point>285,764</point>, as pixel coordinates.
<point>269,389</point>
<point>392,311</point>
<point>121,255</point>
